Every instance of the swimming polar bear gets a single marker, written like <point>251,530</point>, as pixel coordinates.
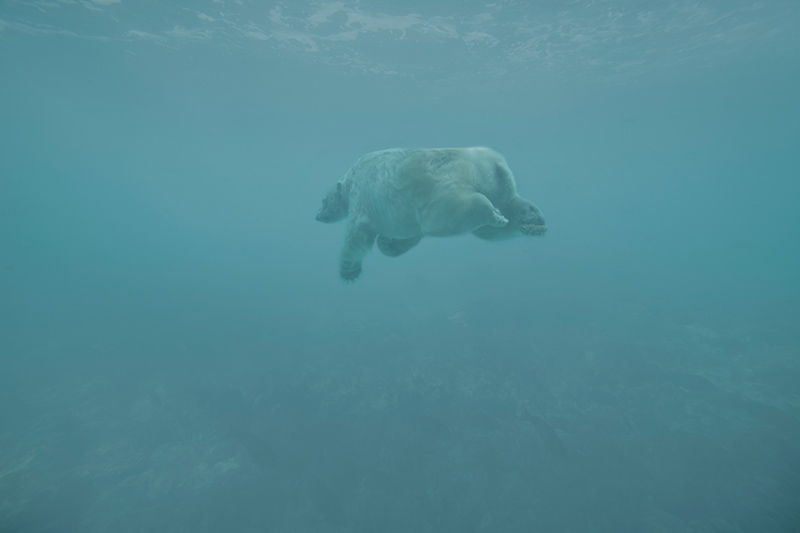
<point>400,195</point>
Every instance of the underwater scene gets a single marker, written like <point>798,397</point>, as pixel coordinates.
<point>382,266</point>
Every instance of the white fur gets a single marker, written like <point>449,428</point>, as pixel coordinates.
<point>401,195</point>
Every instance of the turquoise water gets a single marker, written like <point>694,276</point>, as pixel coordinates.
<point>179,354</point>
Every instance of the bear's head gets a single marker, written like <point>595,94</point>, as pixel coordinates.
<point>334,204</point>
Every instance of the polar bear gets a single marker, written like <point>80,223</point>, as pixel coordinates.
<point>400,195</point>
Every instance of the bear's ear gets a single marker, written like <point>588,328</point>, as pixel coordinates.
<point>339,188</point>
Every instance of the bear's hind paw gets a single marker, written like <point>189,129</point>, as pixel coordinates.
<point>532,229</point>
<point>499,221</point>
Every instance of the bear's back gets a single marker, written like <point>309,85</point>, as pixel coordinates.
<point>401,164</point>
<point>390,186</point>
<point>379,191</point>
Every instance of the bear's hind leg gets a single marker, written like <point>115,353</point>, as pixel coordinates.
<point>482,212</point>
<point>395,247</point>
<point>460,215</point>
<point>358,240</point>
<point>492,233</point>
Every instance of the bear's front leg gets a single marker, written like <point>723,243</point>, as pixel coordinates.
<point>358,239</point>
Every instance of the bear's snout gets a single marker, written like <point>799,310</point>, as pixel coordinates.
<point>324,215</point>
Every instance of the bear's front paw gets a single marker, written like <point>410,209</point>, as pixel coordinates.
<point>349,272</point>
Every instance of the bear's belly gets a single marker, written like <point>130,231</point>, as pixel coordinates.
<point>397,221</point>
<point>398,228</point>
